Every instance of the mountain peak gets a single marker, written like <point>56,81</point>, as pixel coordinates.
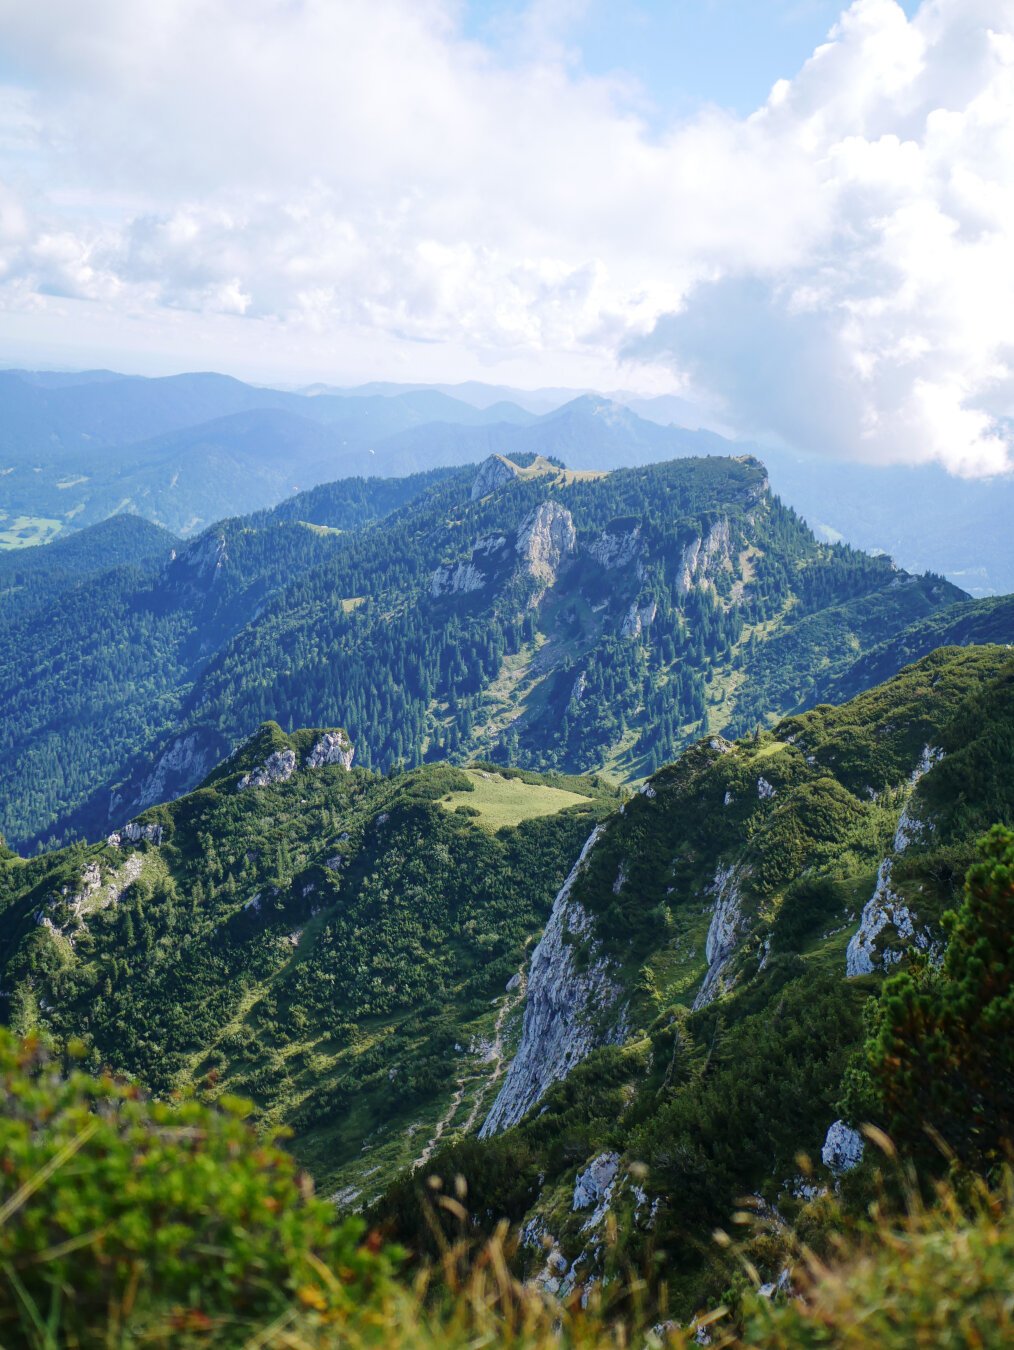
<point>493,473</point>
<point>497,470</point>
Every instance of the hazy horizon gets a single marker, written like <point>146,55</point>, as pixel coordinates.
<point>795,217</point>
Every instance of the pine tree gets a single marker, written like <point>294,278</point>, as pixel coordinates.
<point>942,1049</point>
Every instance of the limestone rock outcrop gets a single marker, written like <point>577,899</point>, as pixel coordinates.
<point>334,747</point>
<point>134,832</point>
<point>460,578</point>
<point>638,618</point>
<point>843,1148</point>
<point>703,557</point>
<point>886,919</point>
<point>180,766</point>
<point>493,473</point>
<point>596,1181</point>
<point>545,539</point>
<point>95,892</point>
<point>616,548</point>
<point>570,1006</point>
<point>723,932</point>
<point>277,768</point>
<point>200,563</point>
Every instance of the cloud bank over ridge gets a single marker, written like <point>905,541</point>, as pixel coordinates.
<point>346,181</point>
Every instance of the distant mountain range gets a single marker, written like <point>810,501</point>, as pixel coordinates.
<point>187,450</point>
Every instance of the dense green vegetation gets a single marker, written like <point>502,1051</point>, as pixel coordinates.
<point>94,676</point>
<point>135,1198</point>
<point>32,578</point>
<point>704,1105</point>
<point>339,947</point>
<point>979,621</point>
<point>808,926</point>
<point>320,945</point>
<point>693,602</point>
<point>129,1222</point>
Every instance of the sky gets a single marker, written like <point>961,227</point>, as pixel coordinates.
<point>797,216</point>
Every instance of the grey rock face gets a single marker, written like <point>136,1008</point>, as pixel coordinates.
<point>96,892</point>
<point>460,578</point>
<point>546,537</point>
<point>723,932</point>
<point>456,580</point>
<point>493,473</point>
<point>595,1181</point>
<point>638,618</point>
<point>886,909</point>
<point>616,549</point>
<point>184,762</point>
<point>91,880</point>
<point>334,747</point>
<point>136,833</point>
<point>562,1007</point>
<point>200,563</point>
<point>702,558</point>
<point>277,768</point>
<point>843,1148</point>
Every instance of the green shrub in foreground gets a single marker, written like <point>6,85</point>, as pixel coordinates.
<point>943,1277</point>
<point>115,1207</point>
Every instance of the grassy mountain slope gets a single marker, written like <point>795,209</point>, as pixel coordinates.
<point>718,909</point>
<point>332,944</point>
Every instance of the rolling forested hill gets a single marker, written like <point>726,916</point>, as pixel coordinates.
<point>31,578</point>
<point>94,675</point>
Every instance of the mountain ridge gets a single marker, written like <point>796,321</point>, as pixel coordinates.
<point>673,595</point>
<point>51,480</point>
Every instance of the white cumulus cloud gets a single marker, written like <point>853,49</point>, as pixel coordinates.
<point>890,334</point>
<point>341,182</point>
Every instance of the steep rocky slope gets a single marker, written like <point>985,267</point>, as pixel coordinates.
<point>693,1003</point>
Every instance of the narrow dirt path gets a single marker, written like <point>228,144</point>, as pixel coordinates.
<point>492,1070</point>
<point>497,1060</point>
<point>442,1124</point>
